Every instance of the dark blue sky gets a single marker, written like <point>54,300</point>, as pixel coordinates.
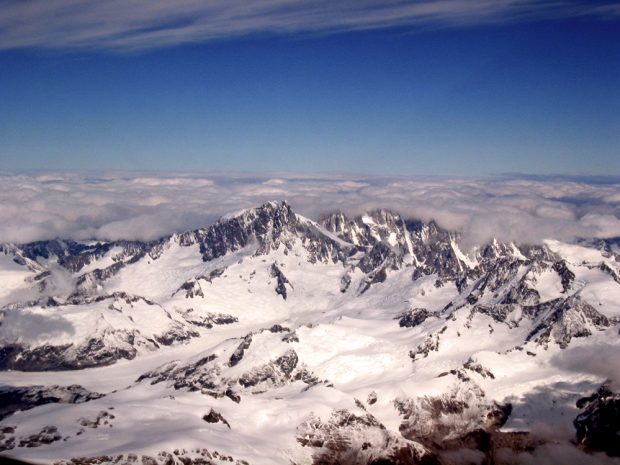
<point>534,97</point>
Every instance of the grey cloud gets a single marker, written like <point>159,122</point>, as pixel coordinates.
<point>136,206</point>
<point>599,360</point>
<point>144,24</point>
<point>560,453</point>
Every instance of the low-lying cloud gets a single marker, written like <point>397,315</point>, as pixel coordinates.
<point>130,206</point>
<point>147,24</point>
<point>596,359</point>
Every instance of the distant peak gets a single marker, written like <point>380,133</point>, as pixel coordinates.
<point>271,206</point>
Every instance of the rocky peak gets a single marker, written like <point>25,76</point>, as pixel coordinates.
<point>271,225</point>
<point>336,223</point>
<point>495,249</point>
<point>265,224</point>
<point>368,229</point>
<point>425,230</point>
<point>270,218</point>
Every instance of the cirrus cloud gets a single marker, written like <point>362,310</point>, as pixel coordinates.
<point>147,24</point>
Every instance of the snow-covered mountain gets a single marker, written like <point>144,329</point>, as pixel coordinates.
<point>269,338</point>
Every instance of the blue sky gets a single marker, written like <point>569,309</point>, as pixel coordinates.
<point>510,91</point>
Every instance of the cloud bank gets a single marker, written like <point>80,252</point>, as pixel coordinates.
<point>114,206</point>
<point>146,24</point>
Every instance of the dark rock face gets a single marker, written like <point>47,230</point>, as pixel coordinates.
<point>102,418</point>
<point>375,277</point>
<point>276,373</point>
<point>521,294</point>
<point>433,249</point>
<point>192,289</point>
<point>478,368</point>
<point>345,282</point>
<point>7,438</point>
<point>431,343</point>
<point>566,275</point>
<point>287,362</point>
<point>120,296</point>
<point>282,281</point>
<point>175,334</point>
<point>290,337</point>
<point>495,274</point>
<point>215,417</point>
<point>208,320</point>
<point>238,353</point>
<point>47,435</point>
<point>380,256</point>
<point>13,399</point>
<point>415,317</point>
<point>46,357</point>
<point>499,313</point>
<point>598,426</point>
<point>279,329</point>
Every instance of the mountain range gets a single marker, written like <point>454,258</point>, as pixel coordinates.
<point>270,338</point>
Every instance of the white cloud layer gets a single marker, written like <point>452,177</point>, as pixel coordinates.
<point>144,24</point>
<point>148,206</point>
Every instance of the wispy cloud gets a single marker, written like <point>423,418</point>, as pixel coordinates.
<point>147,206</point>
<point>146,24</point>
